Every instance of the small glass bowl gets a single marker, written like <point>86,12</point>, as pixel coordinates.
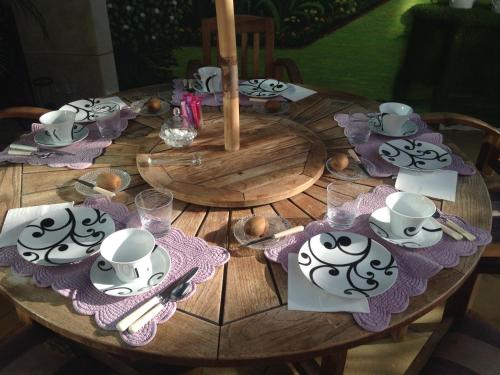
<point>92,176</point>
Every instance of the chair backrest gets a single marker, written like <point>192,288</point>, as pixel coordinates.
<point>489,153</point>
<point>246,26</point>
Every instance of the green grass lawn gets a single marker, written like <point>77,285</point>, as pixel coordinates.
<point>362,57</point>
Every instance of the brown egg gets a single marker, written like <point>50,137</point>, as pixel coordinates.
<point>108,181</point>
<point>272,106</point>
<point>339,162</point>
<point>256,226</point>
<point>154,105</point>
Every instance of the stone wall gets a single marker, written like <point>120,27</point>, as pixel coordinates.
<point>77,54</point>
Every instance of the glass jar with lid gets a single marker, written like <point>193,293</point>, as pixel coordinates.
<point>177,131</point>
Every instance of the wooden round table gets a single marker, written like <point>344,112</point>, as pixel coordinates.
<point>240,316</point>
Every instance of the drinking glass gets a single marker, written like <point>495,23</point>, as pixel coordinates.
<point>339,215</point>
<point>359,133</point>
<point>107,117</point>
<point>155,210</point>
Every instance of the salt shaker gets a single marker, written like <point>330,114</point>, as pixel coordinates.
<point>177,131</point>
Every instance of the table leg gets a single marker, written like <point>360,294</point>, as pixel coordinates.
<point>399,333</point>
<point>333,364</point>
<point>458,303</point>
<point>23,317</point>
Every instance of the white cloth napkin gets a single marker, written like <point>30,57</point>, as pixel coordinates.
<point>18,218</point>
<point>305,296</point>
<point>441,184</point>
<point>296,93</point>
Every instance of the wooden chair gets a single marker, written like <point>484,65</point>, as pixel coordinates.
<point>465,346</point>
<point>488,165</point>
<point>248,27</point>
<point>13,121</point>
<point>32,113</point>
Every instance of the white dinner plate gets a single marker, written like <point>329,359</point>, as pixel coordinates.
<point>430,234</point>
<point>348,264</point>
<point>64,236</point>
<point>80,132</point>
<point>262,88</point>
<point>83,108</point>
<point>104,279</point>
<point>414,155</point>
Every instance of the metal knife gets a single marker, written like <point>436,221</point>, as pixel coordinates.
<point>97,189</point>
<point>16,146</point>
<point>147,311</point>
<point>284,233</point>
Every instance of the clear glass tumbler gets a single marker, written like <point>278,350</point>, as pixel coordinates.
<point>107,117</point>
<point>155,211</point>
<point>340,215</point>
<point>358,132</point>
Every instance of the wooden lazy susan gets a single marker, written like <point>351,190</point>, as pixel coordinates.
<point>278,158</point>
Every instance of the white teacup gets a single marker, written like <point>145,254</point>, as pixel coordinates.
<point>462,4</point>
<point>495,6</point>
<point>209,78</point>
<point>396,108</point>
<point>129,253</point>
<point>58,125</point>
<point>408,212</point>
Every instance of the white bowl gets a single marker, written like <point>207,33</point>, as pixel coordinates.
<point>396,108</point>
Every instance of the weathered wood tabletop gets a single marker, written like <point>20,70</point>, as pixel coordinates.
<point>240,316</point>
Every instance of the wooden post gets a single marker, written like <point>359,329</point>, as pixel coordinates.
<point>229,64</point>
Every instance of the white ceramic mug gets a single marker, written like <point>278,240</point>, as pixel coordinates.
<point>495,6</point>
<point>408,212</point>
<point>396,108</point>
<point>462,4</point>
<point>209,78</point>
<point>129,253</point>
<point>58,125</point>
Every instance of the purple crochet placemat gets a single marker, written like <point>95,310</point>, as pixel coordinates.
<point>73,281</point>
<point>416,266</point>
<point>85,151</point>
<point>377,167</point>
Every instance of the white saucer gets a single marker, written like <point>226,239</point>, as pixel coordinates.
<point>104,278</point>
<point>430,234</point>
<point>79,134</point>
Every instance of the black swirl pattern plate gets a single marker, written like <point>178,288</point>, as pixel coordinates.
<point>104,279</point>
<point>262,88</point>
<point>430,234</point>
<point>83,108</point>
<point>415,155</point>
<point>348,264</point>
<point>64,236</point>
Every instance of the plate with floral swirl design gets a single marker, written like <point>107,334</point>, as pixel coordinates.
<point>64,236</point>
<point>348,265</point>
<point>415,155</point>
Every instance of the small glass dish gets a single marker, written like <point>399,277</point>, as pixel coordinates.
<point>276,224</point>
<point>141,108</point>
<point>353,171</point>
<point>92,176</point>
